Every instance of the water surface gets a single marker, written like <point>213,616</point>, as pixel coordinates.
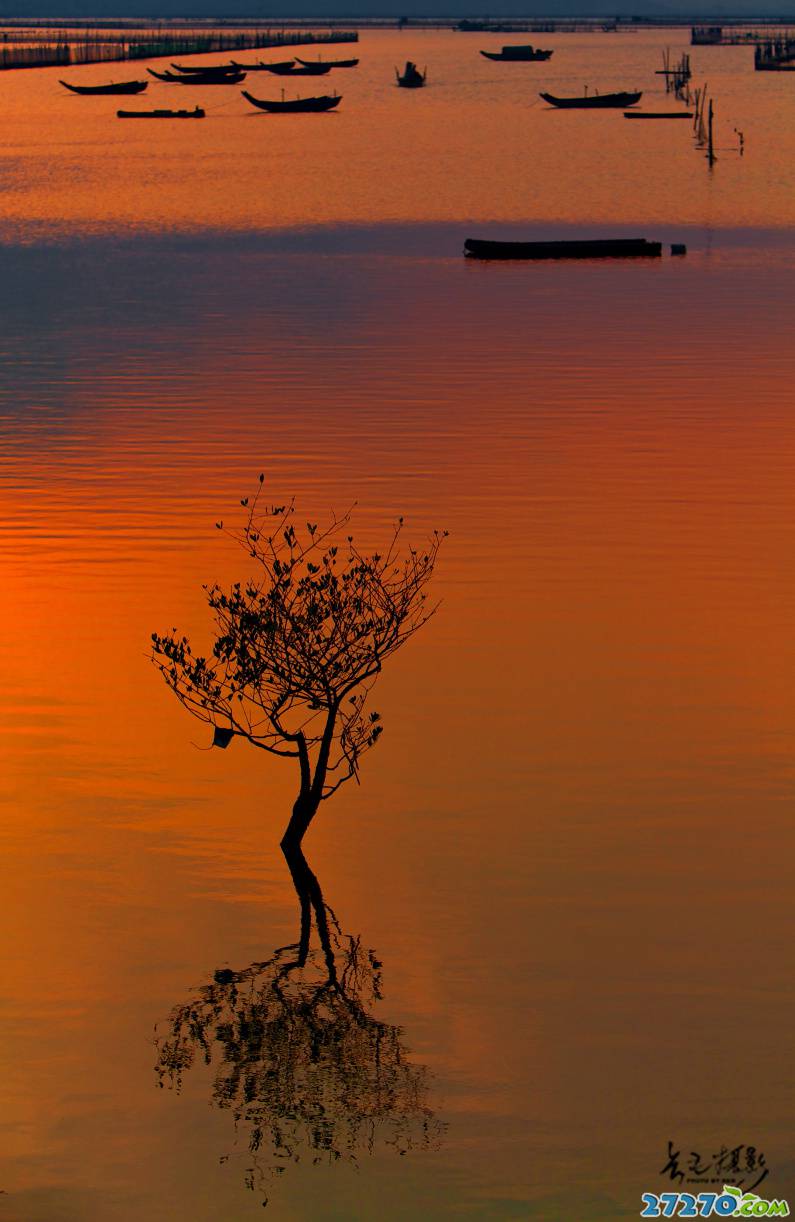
<point>571,852</point>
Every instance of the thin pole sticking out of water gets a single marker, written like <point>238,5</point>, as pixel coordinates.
<point>710,145</point>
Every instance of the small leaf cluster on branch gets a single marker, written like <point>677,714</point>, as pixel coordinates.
<point>298,646</point>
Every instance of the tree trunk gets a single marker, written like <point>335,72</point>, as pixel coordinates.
<point>304,811</point>
<point>311,900</point>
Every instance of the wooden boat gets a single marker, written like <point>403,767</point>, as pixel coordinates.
<point>207,69</point>
<point>117,87</point>
<point>332,63</point>
<point>412,78</point>
<point>196,113</point>
<point>285,65</point>
<point>658,114</point>
<point>518,55</point>
<point>599,248</point>
<point>294,106</point>
<point>594,101</point>
<point>304,70</point>
<point>194,78</point>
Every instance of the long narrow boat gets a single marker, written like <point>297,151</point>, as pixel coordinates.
<point>518,55</point>
<point>194,78</point>
<point>658,114</point>
<point>294,106</point>
<point>304,70</point>
<point>234,78</point>
<point>594,101</point>
<point>332,63</point>
<point>116,87</point>
<point>284,65</point>
<point>599,248</point>
<point>197,113</point>
<point>207,69</point>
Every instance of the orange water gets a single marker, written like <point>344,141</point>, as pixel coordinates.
<point>476,144</point>
<point>572,850</point>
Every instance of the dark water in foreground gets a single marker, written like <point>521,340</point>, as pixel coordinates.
<point>571,853</point>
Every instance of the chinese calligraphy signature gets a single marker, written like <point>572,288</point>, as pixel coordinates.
<point>743,1166</point>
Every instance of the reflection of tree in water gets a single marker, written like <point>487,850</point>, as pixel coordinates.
<point>299,1059</point>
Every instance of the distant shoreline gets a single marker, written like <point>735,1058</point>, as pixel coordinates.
<point>497,23</point>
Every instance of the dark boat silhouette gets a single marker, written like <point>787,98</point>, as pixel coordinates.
<point>305,69</point>
<point>196,113</point>
<point>331,63</point>
<point>117,87</point>
<point>195,78</point>
<point>594,101</point>
<point>518,55</point>
<point>206,69</point>
<point>284,65</point>
<point>412,78</point>
<point>599,248</point>
<point>658,114</point>
<point>294,105</point>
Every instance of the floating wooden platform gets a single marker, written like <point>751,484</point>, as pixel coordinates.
<point>601,248</point>
<point>658,114</point>
<point>198,113</point>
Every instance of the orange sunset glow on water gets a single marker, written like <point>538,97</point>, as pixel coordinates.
<point>477,144</point>
<point>571,852</point>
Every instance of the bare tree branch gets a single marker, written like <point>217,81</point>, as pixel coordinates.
<point>298,646</point>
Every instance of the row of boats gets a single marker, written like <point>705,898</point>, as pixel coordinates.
<point>411,77</point>
<point>217,74</point>
<point>226,74</point>
<point>233,74</point>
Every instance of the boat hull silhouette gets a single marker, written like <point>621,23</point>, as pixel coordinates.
<point>195,78</point>
<point>294,106</point>
<point>594,101</point>
<point>304,70</point>
<point>517,55</point>
<point>328,63</point>
<point>206,70</point>
<point>600,248</point>
<point>658,114</point>
<point>284,65</point>
<point>121,87</point>
<point>197,113</point>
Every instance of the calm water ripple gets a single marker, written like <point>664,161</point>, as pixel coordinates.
<point>572,852</point>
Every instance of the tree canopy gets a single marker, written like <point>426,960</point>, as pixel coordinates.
<point>299,645</point>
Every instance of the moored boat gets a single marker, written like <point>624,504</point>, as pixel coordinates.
<point>658,114</point>
<point>598,248</point>
<point>292,70</point>
<point>412,78</point>
<point>196,78</point>
<point>293,106</point>
<point>518,55</point>
<point>594,101</point>
<point>283,65</point>
<point>332,63</point>
<point>207,69</point>
<point>116,87</point>
<point>196,113</point>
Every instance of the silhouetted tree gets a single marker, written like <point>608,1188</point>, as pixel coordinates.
<point>299,646</point>
<point>298,1058</point>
